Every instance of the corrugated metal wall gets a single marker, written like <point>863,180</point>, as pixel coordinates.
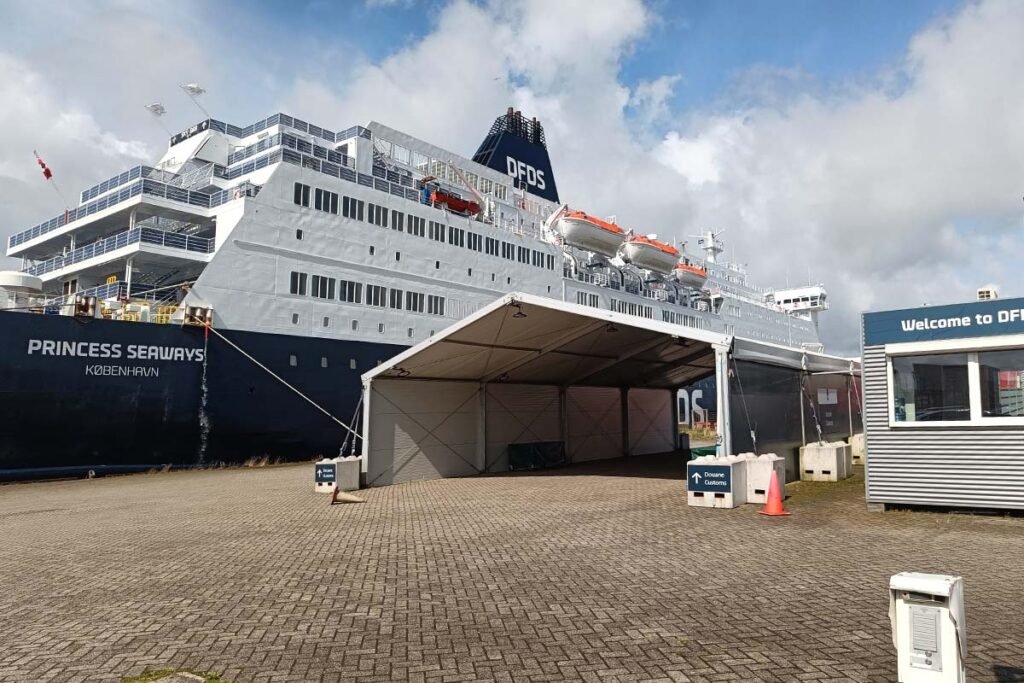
<point>969,467</point>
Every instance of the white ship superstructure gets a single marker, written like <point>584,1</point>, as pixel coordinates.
<point>365,234</point>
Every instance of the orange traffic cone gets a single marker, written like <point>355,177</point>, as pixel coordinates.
<point>773,506</point>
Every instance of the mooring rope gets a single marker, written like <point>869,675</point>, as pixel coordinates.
<point>280,379</point>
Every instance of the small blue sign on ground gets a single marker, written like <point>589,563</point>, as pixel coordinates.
<point>709,478</point>
<point>326,474</point>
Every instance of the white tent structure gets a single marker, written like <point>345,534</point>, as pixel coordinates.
<point>530,369</point>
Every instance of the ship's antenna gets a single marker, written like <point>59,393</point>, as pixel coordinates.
<point>194,90</point>
<point>158,110</point>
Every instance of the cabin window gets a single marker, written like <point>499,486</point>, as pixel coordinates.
<point>377,215</point>
<point>301,195</point>
<point>352,365</point>
<point>323,361</point>
<point>398,256</point>
<point>933,388</point>
<point>417,226</point>
<point>414,301</point>
<point>435,305</point>
<point>410,333</point>
<point>322,287</point>
<point>355,325</point>
<point>325,200</point>
<point>297,283</point>
<point>380,327</point>
<point>295,318</point>
<point>350,292</point>
<point>376,296</point>
<point>469,272</point>
<point>397,220</point>
<point>353,208</point>
<point>293,361</point>
<point>327,321</point>
<point>372,250</point>
<point>437,265</point>
<point>298,233</point>
<point>395,299</point>
<point>492,277</point>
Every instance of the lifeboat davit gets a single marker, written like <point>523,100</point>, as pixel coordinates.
<point>582,230</point>
<point>649,253</point>
<point>690,275</point>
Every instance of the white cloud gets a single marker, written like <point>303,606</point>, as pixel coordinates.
<point>650,99</point>
<point>892,199</point>
<point>76,147</point>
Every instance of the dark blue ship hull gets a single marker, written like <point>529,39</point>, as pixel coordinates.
<point>79,394</point>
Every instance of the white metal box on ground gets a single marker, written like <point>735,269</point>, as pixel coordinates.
<point>716,482</point>
<point>825,461</point>
<point>929,627</point>
<point>759,475</point>
<point>858,452</point>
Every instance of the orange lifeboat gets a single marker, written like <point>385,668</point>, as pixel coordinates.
<point>579,229</point>
<point>454,204</point>
<point>690,275</point>
<point>649,253</point>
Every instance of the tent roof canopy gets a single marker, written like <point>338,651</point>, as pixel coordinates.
<point>526,339</point>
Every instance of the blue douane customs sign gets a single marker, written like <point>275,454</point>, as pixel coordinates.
<point>956,321</point>
<point>701,478</point>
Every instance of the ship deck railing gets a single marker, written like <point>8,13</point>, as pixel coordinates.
<point>201,245</point>
<point>119,290</point>
<point>142,186</point>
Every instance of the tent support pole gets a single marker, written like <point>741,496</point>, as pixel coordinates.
<point>722,379</point>
<point>624,408</point>
<point>800,395</point>
<point>481,428</point>
<point>563,420</point>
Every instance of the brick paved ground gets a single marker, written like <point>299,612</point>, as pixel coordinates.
<point>592,574</point>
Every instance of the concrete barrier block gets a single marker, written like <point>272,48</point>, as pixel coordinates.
<point>825,462</point>
<point>858,450</point>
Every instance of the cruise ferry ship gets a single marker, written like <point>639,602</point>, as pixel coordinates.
<point>222,304</point>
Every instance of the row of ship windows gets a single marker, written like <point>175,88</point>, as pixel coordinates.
<point>357,209</point>
<point>323,287</point>
<point>381,328</point>
<point>641,310</point>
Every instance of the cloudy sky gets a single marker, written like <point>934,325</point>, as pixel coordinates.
<point>876,147</point>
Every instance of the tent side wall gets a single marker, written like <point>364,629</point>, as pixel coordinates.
<point>519,413</point>
<point>422,430</point>
<point>652,425</point>
<point>595,423</point>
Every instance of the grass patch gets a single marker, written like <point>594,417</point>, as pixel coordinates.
<point>159,674</point>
